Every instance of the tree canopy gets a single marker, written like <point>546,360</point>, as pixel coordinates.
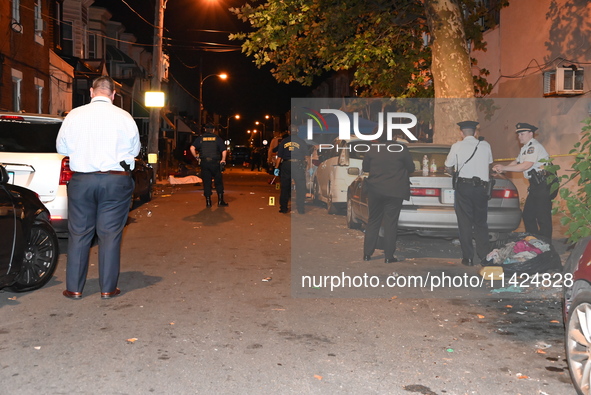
<point>385,43</point>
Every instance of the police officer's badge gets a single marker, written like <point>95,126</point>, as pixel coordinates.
<point>531,150</point>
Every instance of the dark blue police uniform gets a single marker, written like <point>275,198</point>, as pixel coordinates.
<point>293,151</point>
<point>210,147</point>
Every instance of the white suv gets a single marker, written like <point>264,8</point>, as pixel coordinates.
<point>27,150</point>
<point>339,168</point>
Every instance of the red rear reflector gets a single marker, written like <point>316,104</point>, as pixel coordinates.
<point>54,217</point>
<point>15,117</point>
<point>425,192</point>
<point>65,172</point>
<point>505,193</point>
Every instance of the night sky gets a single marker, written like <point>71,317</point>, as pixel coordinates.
<point>249,91</point>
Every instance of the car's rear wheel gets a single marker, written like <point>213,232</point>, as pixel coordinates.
<point>40,258</point>
<point>578,342</point>
<point>147,196</point>
<point>352,222</point>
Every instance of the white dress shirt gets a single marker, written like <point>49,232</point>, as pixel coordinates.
<point>478,166</point>
<point>98,136</point>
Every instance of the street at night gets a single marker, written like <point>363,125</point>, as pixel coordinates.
<point>209,305</point>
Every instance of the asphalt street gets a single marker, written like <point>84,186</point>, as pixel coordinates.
<point>213,302</point>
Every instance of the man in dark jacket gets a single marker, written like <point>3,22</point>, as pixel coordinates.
<point>388,185</point>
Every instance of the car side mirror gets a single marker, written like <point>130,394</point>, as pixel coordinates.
<point>3,175</point>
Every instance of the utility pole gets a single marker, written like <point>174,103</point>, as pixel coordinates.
<point>154,130</point>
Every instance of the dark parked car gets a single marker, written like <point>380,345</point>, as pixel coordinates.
<point>577,314</point>
<point>239,155</point>
<point>28,243</point>
<point>143,175</point>
<point>430,210</point>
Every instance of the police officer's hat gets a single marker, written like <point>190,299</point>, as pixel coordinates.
<point>209,126</point>
<point>525,127</point>
<point>467,125</point>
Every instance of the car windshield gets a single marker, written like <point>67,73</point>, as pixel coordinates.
<point>439,154</point>
<point>24,136</point>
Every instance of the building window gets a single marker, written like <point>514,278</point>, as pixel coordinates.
<point>17,78</point>
<point>16,11</point>
<point>39,84</point>
<point>564,81</point>
<point>92,46</point>
<point>67,38</point>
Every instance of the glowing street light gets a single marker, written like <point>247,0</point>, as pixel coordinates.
<point>222,76</point>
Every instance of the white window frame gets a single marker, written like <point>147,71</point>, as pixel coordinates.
<point>39,23</point>
<point>564,81</point>
<point>17,79</point>
<point>16,11</point>
<point>39,85</point>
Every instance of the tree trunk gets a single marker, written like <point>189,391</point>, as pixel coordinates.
<point>451,69</point>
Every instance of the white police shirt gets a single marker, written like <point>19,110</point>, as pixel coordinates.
<point>478,166</point>
<point>534,152</point>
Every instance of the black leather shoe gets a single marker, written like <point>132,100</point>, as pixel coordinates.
<point>282,211</point>
<point>367,257</point>
<point>390,260</point>
<point>467,262</point>
<point>221,202</point>
<point>109,295</point>
<point>208,201</point>
<point>72,295</point>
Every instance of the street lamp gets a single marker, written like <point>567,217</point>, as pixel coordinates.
<point>264,133</point>
<point>222,76</point>
<point>237,116</point>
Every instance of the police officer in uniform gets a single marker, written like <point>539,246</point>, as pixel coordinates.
<point>211,151</point>
<point>292,153</point>
<point>471,158</point>
<point>537,211</point>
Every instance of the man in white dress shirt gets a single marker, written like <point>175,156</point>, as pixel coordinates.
<point>102,141</point>
<point>471,157</point>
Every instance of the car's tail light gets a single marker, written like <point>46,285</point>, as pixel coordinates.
<point>425,192</point>
<point>13,117</point>
<point>505,193</point>
<point>65,172</point>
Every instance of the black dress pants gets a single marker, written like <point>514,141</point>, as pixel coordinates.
<point>210,169</point>
<point>471,205</point>
<point>537,211</point>
<point>292,170</point>
<point>386,210</point>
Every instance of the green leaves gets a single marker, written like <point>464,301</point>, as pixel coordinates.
<point>576,188</point>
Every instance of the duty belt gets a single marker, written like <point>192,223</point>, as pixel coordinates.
<point>475,181</point>
<point>116,172</point>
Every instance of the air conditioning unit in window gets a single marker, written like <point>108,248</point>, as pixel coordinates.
<point>39,25</point>
<point>564,81</point>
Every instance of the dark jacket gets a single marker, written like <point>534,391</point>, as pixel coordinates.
<point>389,171</point>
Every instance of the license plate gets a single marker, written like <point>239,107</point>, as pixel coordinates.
<point>448,196</point>
<point>11,177</point>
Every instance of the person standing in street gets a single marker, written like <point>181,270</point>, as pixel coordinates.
<point>537,211</point>
<point>472,158</point>
<point>102,141</point>
<point>292,153</point>
<point>389,165</point>
<point>210,149</point>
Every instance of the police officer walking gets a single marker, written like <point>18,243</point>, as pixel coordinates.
<point>210,149</point>
<point>471,158</point>
<point>292,153</point>
<point>537,211</point>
